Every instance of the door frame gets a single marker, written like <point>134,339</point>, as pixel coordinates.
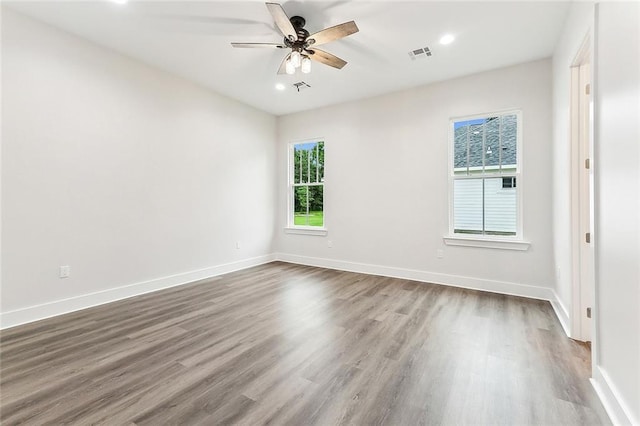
<point>582,196</point>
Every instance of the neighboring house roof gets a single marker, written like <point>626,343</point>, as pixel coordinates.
<point>498,149</point>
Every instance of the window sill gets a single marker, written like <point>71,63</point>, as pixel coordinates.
<point>493,243</point>
<point>321,232</point>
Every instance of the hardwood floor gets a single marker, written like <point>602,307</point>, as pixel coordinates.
<point>289,344</point>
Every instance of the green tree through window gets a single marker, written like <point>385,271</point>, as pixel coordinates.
<point>307,184</point>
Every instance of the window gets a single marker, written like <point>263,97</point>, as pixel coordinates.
<point>485,168</point>
<point>509,182</point>
<point>306,185</point>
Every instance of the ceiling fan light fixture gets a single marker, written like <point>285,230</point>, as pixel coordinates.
<point>289,67</point>
<point>296,58</point>
<point>305,66</point>
<point>298,39</point>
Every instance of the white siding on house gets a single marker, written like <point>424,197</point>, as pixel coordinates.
<point>500,206</point>
<point>467,202</point>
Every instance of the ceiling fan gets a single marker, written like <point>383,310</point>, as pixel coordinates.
<point>302,45</point>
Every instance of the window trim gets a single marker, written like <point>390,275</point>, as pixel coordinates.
<point>290,227</point>
<point>306,230</point>
<point>509,242</point>
<point>494,242</point>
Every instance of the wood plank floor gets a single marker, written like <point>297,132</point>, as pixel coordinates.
<point>289,344</point>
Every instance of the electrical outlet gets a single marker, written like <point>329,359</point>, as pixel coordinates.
<point>329,243</point>
<point>65,271</point>
<point>439,253</point>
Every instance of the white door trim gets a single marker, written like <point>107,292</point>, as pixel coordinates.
<point>583,277</point>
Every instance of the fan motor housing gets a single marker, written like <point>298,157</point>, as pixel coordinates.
<point>298,23</point>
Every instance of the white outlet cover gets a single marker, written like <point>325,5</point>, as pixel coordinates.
<point>65,271</point>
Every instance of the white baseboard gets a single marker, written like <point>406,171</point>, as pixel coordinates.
<point>562,313</point>
<point>533,292</point>
<point>59,307</point>
<point>618,411</point>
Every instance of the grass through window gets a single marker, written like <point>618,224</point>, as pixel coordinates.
<point>312,219</point>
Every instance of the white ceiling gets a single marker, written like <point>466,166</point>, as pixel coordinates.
<point>192,39</point>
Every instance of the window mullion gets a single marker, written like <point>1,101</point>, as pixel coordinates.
<point>484,146</point>
<point>468,150</point>
<point>308,204</point>
<point>317,163</point>
<point>308,166</point>
<point>500,143</point>
<point>488,175</point>
<point>483,206</point>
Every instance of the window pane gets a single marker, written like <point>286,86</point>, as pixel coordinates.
<point>492,144</point>
<point>313,163</point>
<point>485,142</point>
<point>308,205</point>
<point>467,206</point>
<point>499,208</point>
<point>460,148</point>
<point>509,142</point>
<point>475,147</point>
<point>308,162</point>
<point>321,161</point>
<point>297,164</point>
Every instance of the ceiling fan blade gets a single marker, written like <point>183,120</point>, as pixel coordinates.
<point>251,45</point>
<point>283,65</point>
<point>326,58</point>
<point>282,21</point>
<point>333,33</point>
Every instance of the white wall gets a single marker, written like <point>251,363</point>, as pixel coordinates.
<point>579,24</point>
<point>617,204</point>
<point>130,175</point>
<point>387,189</point>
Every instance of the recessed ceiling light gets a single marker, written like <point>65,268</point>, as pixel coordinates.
<point>119,1</point>
<point>447,39</point>
<point>280,86</point>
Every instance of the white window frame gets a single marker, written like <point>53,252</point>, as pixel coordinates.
<point>506,242</point>
<point>291,227</point>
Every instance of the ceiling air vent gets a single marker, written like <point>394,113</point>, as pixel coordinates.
<point>301,85</point>
<point>423,52</point>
